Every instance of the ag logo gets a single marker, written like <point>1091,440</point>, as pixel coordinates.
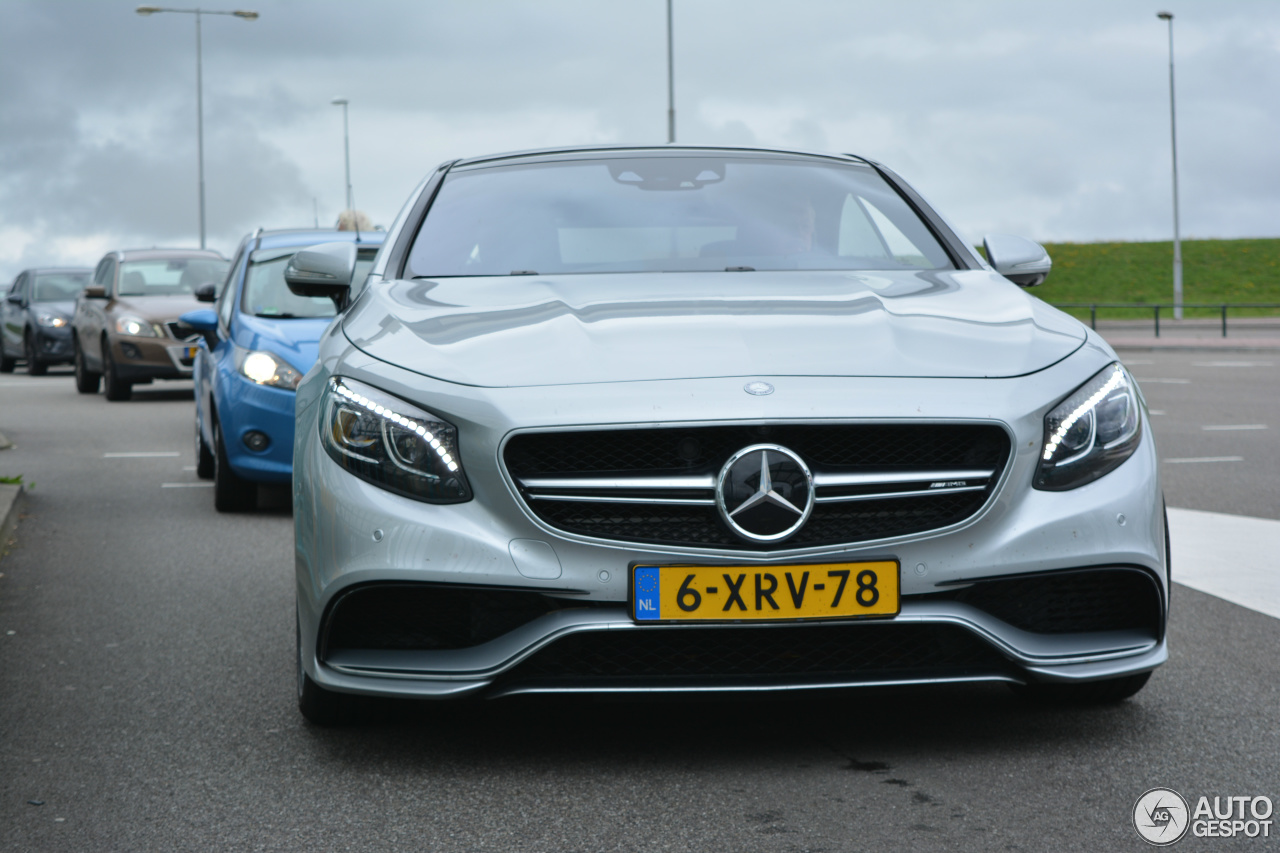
<point>1161,816</point>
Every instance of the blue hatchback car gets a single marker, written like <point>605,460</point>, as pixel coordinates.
<point>259,341</point>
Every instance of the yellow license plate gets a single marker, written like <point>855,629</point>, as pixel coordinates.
<point>736,593</point>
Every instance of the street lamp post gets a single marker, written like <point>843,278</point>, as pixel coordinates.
<point>1173,129</point>
<point>671,82</point>
<point>239,13</point>
<point>346,148</point>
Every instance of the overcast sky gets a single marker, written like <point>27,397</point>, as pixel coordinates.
<point>1045,119</point>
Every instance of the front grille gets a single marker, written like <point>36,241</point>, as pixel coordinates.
<point>423,617</point>
<point>1076,601</point>
<point>669,655</point>
<point>657,485</point>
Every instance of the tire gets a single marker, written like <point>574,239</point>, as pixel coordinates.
<point>205,462</point>
<point>116,388</point>
<point>35,367</point>
<point>322,707</point>
<point>231,492</point>
<point>87,380</point>
<point>1109,691</point>
<point>6,363</point>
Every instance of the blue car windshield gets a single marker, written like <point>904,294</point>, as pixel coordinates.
<point>59,286</point>
<point>667,213</point>
<point>267,295</point>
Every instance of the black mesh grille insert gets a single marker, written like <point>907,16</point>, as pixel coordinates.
<point>852,448</point>
<point>1070,601</point>
<point>425,617</point>
<point>811,651</point>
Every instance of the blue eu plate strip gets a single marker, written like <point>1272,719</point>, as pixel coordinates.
<point>648,604</point>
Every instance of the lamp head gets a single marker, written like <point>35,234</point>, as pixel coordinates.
<point>248,16</point>
<point>1165,16</point>
<point>148,10</point>
<point>339,102</point>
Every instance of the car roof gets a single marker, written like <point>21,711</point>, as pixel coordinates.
<point>284,238</point>
<point>47,270</point>
<point>165,254</point>
<point>588,151</point>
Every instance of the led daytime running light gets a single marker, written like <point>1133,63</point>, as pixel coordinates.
<point>400,420</point>
<point>1080,411</point>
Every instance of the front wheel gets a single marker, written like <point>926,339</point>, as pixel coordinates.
<point>86,380</point>
<point>231,492</point>
<point>6,363</point>
<point>322,707</point>
<point>117,389</point>
<point>1109,691</point>
<point>35,367</point>
<point>205,463</point>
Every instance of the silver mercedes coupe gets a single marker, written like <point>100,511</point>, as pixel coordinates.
<point>687,419</point>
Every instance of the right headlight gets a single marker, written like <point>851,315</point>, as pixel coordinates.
<point>1091,432</point>
<point>127,324</point>
<point>391,443</point>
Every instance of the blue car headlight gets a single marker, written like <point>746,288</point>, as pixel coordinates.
<point>266,368</point>
<point>1091,432</point>
<point>393,444</point>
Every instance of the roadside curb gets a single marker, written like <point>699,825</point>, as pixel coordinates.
<point>10,506</point>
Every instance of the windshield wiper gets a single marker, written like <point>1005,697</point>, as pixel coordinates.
<point>284,316</point>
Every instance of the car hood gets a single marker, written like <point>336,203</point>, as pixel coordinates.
<point>295,340</point>
<point>158,309</point>
<point>59,307</point>
<point>555,330</point>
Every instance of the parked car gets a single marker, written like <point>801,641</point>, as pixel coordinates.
<point>261,340</point>
<point>697,419</point>
<point>35,318</point>
<point>125,330</point>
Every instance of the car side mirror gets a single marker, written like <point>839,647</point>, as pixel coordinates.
<point>1023,262</point>
<point>206,292</point>
<point>15,298</point>
<point>95,291</point>
<point>200,320</point>
<point>323,270</point>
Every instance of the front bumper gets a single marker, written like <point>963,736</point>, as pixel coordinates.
<point>52,345</point>
<point>244,406</point>
<point>350,533</point>
<point>140,359</point>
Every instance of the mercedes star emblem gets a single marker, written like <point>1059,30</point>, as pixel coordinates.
<point>758,389</point>
<point>765,493</point>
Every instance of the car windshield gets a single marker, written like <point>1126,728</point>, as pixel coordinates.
<point>670,214</point>
<point>59,286</point>
<point>267,295</point>
<point>169,276</point>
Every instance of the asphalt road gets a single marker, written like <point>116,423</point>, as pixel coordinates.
<point>147,698</point>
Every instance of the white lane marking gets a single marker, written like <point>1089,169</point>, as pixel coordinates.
<point>143,454</point>
<point>1137,361</point>
<point>186,485</point>
<point>1193,459</point>
<point>188,467</point>
<point>1163,381</point>
<point>1231,364</point>
<point>1232,427</point>
<point>1156,411</point>
<point>1230,556</point>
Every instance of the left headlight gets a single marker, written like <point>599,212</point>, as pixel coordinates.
<point>135,326</point>
<point>1091,432</point>
<point>52,321</point>
<point>393,444</point>
<point>267,369</point>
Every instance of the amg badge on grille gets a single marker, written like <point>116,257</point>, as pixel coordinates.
<point>765,493</point>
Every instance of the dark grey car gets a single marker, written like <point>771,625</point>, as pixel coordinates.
<point>35,318</point>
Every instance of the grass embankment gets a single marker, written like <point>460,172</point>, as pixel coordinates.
<point>1213,271</point>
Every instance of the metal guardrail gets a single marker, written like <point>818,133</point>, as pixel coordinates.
<point>1155,308</point>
